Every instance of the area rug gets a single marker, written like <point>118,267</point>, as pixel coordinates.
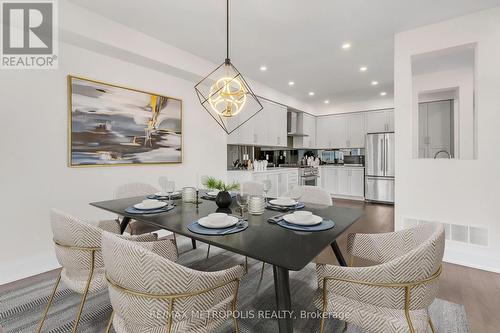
<point>20,310</point>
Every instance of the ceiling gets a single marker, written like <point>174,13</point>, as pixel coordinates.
<point>296,40</point>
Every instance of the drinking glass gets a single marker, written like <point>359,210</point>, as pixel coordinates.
<point>170,188</point>
<point>267,186</point>
<point>242,201</point>
<point>163,180</point>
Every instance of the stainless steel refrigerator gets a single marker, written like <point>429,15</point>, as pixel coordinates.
<point>379,167</point>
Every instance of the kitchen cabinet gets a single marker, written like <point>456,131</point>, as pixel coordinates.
<point>355,123</point>
<point>379,121</point>
<point>323,130</point>
<point>282,180</point>
<point>341,131</point>
<point>266,128</point>
<point>343,182</point>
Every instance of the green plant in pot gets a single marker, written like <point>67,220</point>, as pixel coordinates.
<point>223,199</point>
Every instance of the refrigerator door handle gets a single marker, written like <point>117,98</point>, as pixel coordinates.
<point>383,155</point>
<point>386,149</point>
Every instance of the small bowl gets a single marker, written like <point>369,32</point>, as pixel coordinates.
<point>217,218</point>
<point>149,203</point>
<point>302,215</point>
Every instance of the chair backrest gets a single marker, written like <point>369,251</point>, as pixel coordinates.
<point>133,268</point>
<point>310,194</point>
<point>425,247</point>
<point>252,188</point>
<point>133,190</point>
<point>70,232</point>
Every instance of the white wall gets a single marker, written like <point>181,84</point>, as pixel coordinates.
<point>33,141</point>
<point>461,192</point>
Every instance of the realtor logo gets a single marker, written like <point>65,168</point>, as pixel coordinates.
<point>29,35</point>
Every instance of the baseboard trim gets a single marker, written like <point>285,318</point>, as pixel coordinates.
<point>27,266</point>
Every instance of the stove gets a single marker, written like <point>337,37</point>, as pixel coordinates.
<point>308,175</point>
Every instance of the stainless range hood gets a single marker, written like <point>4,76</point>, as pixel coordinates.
<point>293,118</point>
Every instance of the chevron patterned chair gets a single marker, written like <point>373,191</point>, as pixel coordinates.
<point>78,250</point>
<point>150,293</point>
<point>392,296</point>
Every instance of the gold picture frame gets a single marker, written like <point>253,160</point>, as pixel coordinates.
<point>113,125</point>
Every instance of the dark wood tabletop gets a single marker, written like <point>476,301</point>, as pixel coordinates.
<point>262,240</point>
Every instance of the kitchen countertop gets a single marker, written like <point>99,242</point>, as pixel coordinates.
<point>275,169</point>
<point>341,166</point>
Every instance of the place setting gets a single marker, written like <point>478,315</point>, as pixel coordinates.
<point>284,204</point>
<point>167,192</point>
<point>302,221</point>
<point>218,224</point>
<point>150,206</point>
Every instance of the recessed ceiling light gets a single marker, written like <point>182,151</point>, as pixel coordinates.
<point>311,93</point>
<point>363,68</point>
<point>263,68</point>
<point>374,83</point>
<point>383,93</point>
<point>291,83</point>
<point>346,46</point>
<point>326,101</point>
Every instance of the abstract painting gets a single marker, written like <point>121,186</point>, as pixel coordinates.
<point>113,125</point>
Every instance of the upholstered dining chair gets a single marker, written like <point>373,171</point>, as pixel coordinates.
<point>78,250</point>
<point>310,194</point>
<point>134,190</point>
<point>392,296</point>
<point>150,293</point>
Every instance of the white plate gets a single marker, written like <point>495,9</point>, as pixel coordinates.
<point>164,194</point>
<point>213,193</point>
<point>313,220</point>
<point>158,205</point>
<point>228,222</point>
<point>283,202</point>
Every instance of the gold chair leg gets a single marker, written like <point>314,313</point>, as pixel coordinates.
<point>233,307</point>
<point>84,297</point>
<point>433,329</point>
<point>407,309</point>
<point>49,303</point>
<point>323,312</point>
<point>110,322</point>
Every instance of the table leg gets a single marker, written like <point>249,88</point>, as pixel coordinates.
<point>283,301</point>
<point>193,242</point>
<point>338,253</point>
<point>124,224</point>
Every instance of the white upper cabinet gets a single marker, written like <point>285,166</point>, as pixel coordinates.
<point>355,130</point>
<point>341,131</point>
<point>380,121</point>
<point>266,128</point>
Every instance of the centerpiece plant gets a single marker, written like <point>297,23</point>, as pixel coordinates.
<point>223,199</point>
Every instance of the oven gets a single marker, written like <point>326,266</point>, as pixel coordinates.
<point>308,176</point>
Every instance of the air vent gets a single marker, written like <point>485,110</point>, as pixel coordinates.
<point>467,234</point>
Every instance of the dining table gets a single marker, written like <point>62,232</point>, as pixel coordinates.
<point>286,250</point>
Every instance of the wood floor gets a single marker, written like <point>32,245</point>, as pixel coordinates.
<point>478,291</point>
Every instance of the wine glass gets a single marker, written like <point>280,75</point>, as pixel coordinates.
<point>163,180</point>
<point>242,201</point>
<point>170,188</point>
<point>267,186</point>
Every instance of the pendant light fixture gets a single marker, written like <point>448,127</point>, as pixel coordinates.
<point>226,95</point>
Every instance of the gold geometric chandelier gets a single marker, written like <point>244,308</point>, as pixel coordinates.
<point>224,93</point>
